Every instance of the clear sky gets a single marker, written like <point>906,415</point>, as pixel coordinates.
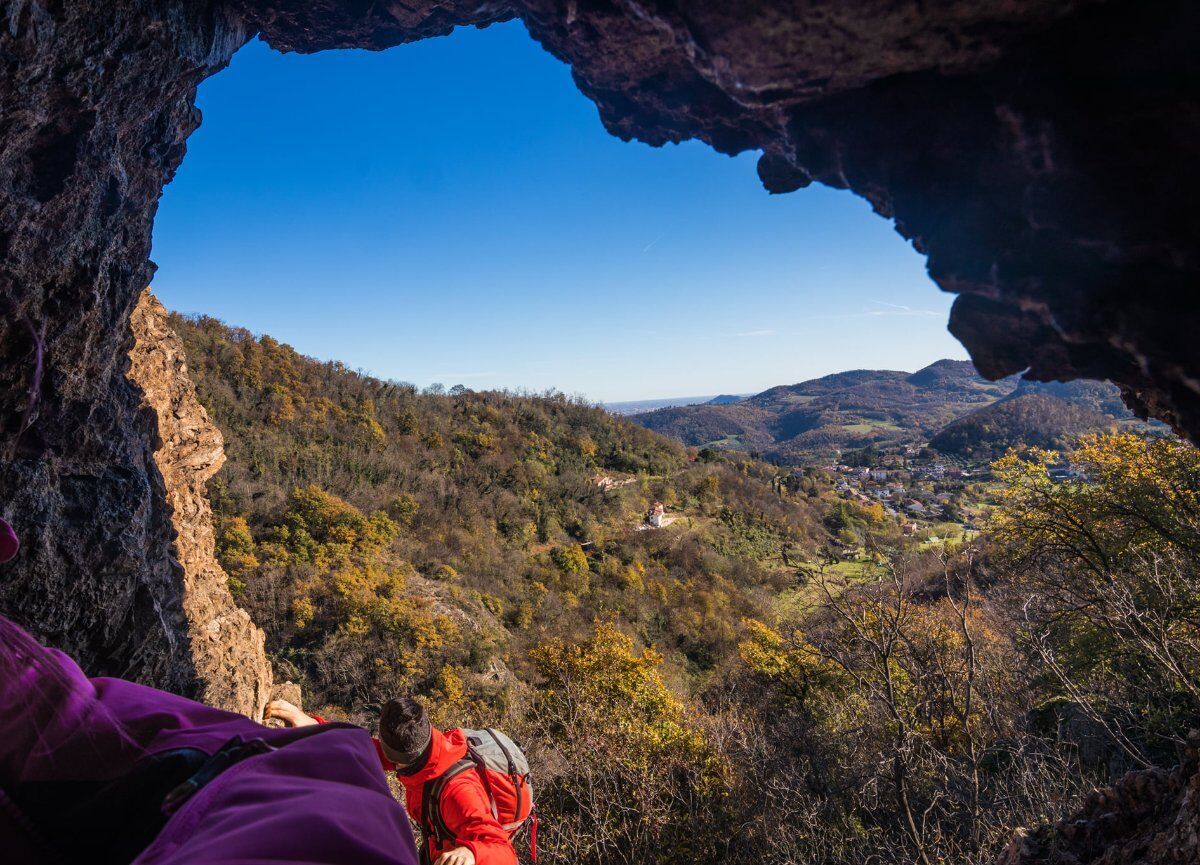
<point>454,211</point>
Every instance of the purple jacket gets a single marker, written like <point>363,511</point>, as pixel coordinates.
<point>321,797</point>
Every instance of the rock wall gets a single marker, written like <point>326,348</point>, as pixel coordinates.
<point>225,647</point>
<point>96,101</point>
<point>1149,816</point>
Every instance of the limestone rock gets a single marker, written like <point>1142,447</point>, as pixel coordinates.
<point>97,101</point>
<point>226,648</point>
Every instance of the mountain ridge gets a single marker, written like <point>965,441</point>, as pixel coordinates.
<point>847,409</point>
<point>946,404</point>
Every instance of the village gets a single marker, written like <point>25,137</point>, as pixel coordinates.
<point>917,489</point>
<point>921,488</point>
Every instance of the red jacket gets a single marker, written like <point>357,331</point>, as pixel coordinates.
<point>465,807</point>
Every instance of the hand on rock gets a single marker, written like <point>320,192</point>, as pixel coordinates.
<point>289,714</point>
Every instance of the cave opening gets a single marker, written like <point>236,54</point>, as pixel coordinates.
<point>1039,154</point>
<point>454,212</point>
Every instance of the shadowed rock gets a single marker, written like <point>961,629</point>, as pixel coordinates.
<point>1148,816</point>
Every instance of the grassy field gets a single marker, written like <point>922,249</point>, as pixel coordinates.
<point>797,602</point>
<point>870,426</point>
<point>727,442</point>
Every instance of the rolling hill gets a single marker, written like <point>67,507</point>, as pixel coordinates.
<point>947,405</point>
<point>840,411</point>
<point>1037,414</point>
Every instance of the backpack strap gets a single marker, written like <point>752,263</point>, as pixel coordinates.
<point>517,780</point>
<point>512,767</point>
<point>432,824</point>
<point>481,766</point>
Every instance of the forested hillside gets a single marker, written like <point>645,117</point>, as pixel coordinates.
<point>390,538</point>
<point>947,404</point>
<point>1038,414</point>
<point>837,412</point>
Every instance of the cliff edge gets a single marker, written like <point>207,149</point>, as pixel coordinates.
<point>226,648</point>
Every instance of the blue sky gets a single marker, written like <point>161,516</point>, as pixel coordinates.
<point>454,211</point>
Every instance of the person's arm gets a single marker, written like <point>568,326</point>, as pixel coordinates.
<point>467,813</point>
<point>293,717</point>
<point>290,715</point>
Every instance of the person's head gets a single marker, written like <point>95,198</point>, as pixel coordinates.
<point>404,732</point>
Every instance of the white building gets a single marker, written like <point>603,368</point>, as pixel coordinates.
<point>657,515</point>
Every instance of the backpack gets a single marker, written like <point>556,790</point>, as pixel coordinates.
<point>504,771</point>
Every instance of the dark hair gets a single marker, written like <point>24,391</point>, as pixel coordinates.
<point>404,727</point>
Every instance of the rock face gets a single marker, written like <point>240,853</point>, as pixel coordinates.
<point>1149,816</point>
<point>225,647</point>
<point>95,105</point>
<point>1039,152</point>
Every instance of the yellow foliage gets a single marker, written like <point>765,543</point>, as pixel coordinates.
<point>792,663</point>
<point>606,691</point>
<point>1132,493</point>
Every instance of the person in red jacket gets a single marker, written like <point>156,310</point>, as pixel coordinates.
<point>418,753</point>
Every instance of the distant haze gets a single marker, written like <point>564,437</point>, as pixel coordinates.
<point>637,406</point>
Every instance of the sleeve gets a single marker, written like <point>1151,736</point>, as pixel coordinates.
<point>388,765</point>
<point>467,814</point>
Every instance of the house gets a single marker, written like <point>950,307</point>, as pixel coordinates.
<point>1063,472</point>
<point>879,474</point>
<point>657,515</point>
<point>909,528</point>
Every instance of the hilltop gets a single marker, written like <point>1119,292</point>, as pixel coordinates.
<point>946,404</point>
<point>1037,414</point>
<point>841,411</point>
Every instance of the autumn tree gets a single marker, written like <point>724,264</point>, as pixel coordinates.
<point>1109,560</point>
<point>628,775</point>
